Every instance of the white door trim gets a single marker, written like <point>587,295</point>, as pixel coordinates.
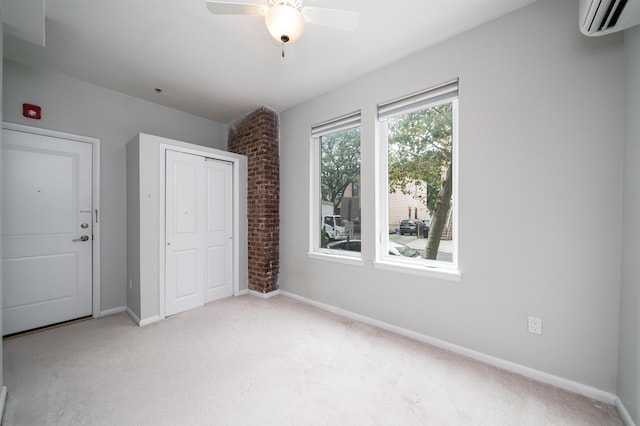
<point>162,225</point>
<point>95,143</point>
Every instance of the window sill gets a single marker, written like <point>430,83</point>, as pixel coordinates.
<point>330,257</point>
<point>422,270</point>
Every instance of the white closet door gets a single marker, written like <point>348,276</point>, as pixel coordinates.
<point>219,233</point>
<point>47,230</point>
<point>185,209</point>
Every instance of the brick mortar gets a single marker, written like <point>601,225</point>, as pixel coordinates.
<point>256,136</point>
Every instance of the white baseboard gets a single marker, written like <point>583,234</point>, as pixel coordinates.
<point>540,376</point>
<point>624,413</point>
<point>242,292</point>
<point>3,400</point>
<point>142,322</point>
<point>149,320</point>
<point>133,316</point>
<point>113,311</point>
<point>264,295</point>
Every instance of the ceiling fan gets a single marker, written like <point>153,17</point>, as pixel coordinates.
<point>285,19</point>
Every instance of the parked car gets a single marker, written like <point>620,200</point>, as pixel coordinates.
<point>408,226</point>
<point>351,245</point>
<point>413,226</point>
<point>395,249</point>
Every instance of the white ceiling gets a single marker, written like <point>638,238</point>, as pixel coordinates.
<point>223,66</point>
<point>24,19</point>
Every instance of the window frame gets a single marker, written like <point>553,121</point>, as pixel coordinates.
<point>345,122</point>
<point>428,98</point>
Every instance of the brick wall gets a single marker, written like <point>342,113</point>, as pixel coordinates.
<point>256,136</point>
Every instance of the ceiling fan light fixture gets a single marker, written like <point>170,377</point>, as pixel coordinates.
<point>285,23</point>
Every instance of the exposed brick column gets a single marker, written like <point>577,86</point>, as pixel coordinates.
<point>256,136</point>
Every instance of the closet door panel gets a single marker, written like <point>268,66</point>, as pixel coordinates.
<point>219,229</point>
<point>185,218</point>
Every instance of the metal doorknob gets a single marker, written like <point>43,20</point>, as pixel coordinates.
<point>83,238</point>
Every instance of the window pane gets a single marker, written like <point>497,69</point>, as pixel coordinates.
<point>420,182</point>
<point>339,190</point>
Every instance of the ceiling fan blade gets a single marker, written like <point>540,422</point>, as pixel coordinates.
<point>340,19</point>
<point>230,8</point>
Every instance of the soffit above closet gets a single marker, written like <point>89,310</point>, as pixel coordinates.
<point>24,20</point>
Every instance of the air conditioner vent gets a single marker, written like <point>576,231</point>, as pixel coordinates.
<point>599,17</point>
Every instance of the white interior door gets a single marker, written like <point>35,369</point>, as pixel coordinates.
<point>47,230</point>
<point>185,209</point>
<point>219,236</point>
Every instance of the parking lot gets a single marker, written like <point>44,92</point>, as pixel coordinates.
<point>419,243</point>
<point>445,251</point>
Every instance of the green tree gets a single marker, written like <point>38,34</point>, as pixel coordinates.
<point>340,164</point>
<point>420,152</point>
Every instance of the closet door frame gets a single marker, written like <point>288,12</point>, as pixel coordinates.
<point>235,268</point>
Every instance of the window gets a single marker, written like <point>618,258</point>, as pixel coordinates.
<point>417,207</point>
<point>336,200</point>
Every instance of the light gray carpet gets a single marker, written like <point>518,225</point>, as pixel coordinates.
<point>248,361</point>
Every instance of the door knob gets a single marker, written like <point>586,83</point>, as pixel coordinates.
<point>83,238</point>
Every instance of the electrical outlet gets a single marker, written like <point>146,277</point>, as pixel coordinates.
<point>130,284</point>
<point>535,325</point>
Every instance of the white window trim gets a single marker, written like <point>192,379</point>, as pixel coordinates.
<point>418,268</point>
<point>337,256</point>
<point>345,122</point>
<point>430,268</point>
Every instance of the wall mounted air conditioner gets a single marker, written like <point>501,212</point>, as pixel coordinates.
<point>599,17</point>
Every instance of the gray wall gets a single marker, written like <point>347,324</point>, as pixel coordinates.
<point>133,226</point>
<point>629,370</point>
<point>72,106</point>
<point>540,201</point>
<point>1,288</point>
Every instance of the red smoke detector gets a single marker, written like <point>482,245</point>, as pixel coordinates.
<point>32,111</point>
